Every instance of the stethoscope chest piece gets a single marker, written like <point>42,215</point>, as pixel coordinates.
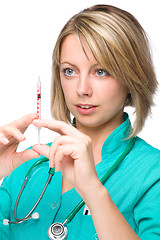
<point>57,231</point>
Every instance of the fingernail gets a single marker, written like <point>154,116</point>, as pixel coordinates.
<point>21,136</point>
<point>56,170</point>
<point>51,164</point>
<point>36,120</point>
<point>35,116</point>
<point>5,140</point>
<point>36,146</point>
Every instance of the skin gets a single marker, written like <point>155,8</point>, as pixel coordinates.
<point>10,136</point>
<point>85,82</point>
<point>76,151</point>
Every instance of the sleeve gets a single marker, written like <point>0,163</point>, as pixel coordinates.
<point>5,208</point>
<point>147,213</point>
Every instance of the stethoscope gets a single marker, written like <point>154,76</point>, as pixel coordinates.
<point>59,230</point>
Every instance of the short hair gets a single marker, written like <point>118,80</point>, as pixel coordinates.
<point>120,45</point>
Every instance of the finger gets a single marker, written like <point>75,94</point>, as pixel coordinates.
<point>61,153</point>
<point>16,128</point>
<point>45,151</point>
<point>24,156</point>
<point>42,149</point>
<point>61,140</point>
<point>3,139</point>
<point>23,122</point>
<point>9,131</point>
<point>58,158</point>
<point>58,126</point>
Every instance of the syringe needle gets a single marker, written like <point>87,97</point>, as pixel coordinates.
<point>39,104</point>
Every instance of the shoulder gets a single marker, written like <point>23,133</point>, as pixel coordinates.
<point>144,160</point>
<point>143,163</point>
<point>144,150</point>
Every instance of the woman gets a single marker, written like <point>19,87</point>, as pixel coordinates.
<point>101,63</point>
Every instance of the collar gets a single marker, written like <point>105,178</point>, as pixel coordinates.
<point>116,142</point>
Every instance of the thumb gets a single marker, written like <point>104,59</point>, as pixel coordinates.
<point>42,149</point>
<point>23,122</point>
<point>24,156</point>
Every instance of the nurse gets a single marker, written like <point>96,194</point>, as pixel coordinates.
<point>101,63</point>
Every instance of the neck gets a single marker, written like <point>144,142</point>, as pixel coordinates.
<point>99,133</point>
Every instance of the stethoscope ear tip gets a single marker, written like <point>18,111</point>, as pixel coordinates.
<point>35,215</point>
<point>5,222</point>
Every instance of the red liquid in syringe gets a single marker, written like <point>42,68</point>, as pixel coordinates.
<point>39,98</point>
<point>39,104</point>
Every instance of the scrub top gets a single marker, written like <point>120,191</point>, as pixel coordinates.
<point>134,187</point>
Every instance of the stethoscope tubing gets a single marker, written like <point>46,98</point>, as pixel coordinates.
<point>51,173</point>
<point>28,216</point>
<point>103,179</point>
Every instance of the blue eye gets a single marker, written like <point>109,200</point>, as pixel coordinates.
<point>68,71</point>
<point>102,73</point>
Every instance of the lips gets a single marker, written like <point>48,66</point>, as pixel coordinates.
<point>86,108</point>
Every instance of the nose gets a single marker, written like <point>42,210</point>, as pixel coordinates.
<point>84,87</point>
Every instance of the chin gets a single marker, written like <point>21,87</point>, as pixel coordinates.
<point>89,122</point>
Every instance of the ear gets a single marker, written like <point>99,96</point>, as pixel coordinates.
<point>129,96</point>
<point>129,99</point>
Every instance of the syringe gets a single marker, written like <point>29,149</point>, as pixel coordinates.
<point>39,104</point>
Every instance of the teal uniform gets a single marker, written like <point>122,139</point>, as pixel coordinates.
<point>134,187</point>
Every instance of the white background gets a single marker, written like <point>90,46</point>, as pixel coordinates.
<point>28,31</point>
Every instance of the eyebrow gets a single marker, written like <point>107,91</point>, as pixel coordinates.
<point>95,65</point>
<point>67,63</point>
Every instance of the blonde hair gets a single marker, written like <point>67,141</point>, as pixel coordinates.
<point>120,45</point>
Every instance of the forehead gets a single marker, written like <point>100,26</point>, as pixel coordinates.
<point>75,49</point>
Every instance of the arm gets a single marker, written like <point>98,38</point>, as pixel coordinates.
<point>147,209</point>
<point>108,220</point>
<point>72,154</point>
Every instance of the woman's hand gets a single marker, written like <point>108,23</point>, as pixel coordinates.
<point>71,152</point>
<point>10,137</point>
